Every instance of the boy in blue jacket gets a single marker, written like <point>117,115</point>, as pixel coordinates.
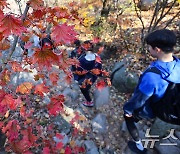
<point>152,85</point>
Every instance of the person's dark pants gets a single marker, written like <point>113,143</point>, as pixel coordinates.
<point>85,92</point>
<point>133,131</point>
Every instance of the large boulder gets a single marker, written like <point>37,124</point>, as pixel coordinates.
<point>124,81</point>
<point>145,5</point>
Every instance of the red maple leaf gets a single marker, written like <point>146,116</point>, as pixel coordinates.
<point>59,136</point>
<point>100,85</point>
<point>28,135</point>
<point>68,150</point>
<point>36,4</point>
<point>56,105</point>
<point>44,58</point>
<point>46,150</point>
<point>60,12</point>
<point>1,13</point>
<point>39,14</point>
<point>96,40</point>
<point>54,77</point>
<point>11,130</point>
<point>41,89</point>
<point>3,4</point>
<point>63,33</point>
<point>24,88</point>
<point>16,67</point>
<point>3,107</point>
<point>59,145</point>
<point>11,25</point>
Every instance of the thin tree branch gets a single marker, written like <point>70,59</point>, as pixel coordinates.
<point>170,21</point>
<point>161,17</point>
<point>15,41</point>
<point>154,14</point>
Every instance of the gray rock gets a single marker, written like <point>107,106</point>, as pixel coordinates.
<point>99,124</point>
<point>62,125</point>
<point>101,97</point>
<point>162,128</point>
<point>91,147</point>
<point>124,81</point>
<point>145,5</point>
<point>166,149</point>
<point>71,93</point>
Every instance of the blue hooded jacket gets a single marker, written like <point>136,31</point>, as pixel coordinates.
<point>152,85</point>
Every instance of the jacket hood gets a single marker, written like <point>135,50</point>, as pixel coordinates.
<point>170,71</point>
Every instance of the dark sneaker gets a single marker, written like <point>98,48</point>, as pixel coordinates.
<point>88,104</point>
<point>132,146</point>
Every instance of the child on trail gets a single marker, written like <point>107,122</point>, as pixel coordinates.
<point>76,52</point>
<point>84,73</point>
<point>152,85</point>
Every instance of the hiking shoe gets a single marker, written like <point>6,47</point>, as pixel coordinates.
<point>88,104</point>
<point>132,146</point>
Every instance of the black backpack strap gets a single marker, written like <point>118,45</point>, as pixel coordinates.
<point>153,69</point>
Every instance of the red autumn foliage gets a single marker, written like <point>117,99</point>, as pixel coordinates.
<point>63,34</point>
<point>100,85</point>
<point>44,58</point>
<point>41,89</point>
<point>56,105</point>
<point>11,25</point>
<point>24,88</point>
<point>26,127</point>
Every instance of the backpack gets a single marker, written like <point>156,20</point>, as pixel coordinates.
<point>168,107</point>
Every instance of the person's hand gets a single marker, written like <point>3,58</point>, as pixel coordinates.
<point>128,115</point>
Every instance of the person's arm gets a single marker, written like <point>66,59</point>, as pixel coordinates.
<point>142,93</point>
<point>135,102</point>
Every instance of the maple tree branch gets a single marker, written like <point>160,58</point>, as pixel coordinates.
<point>12,49</point>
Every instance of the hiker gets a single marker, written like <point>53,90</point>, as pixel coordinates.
<point>152,86</point>
<point>84,73</point>
<point>77,51</point>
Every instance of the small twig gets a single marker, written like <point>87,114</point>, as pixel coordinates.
<point>163,15</point>
<point>170,21</point>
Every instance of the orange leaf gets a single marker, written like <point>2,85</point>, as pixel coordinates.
<point>11,25</point>
<point>96,71</point>
<point>24,88</point>
<point>63,33</point>
<point>40,89</point>
<point>4,44</point>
